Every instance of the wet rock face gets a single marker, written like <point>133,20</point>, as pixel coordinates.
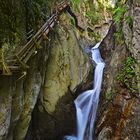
<point>132,34</point>
<point>54,116</point>
<point>53,78</point>
<point>118,116</point>
<point>110,111</point>
<point>53,126</point>
<point>17,100</point>
<point>136,29</point>
<point>12,20</point>
<point>132,129</point>
<point>5,109</point>
<point>68,67</point>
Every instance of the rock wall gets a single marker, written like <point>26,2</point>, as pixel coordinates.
<point>18,95</point>
<point>118,115</point>
<point>67,68</point>
<point>52,79</point>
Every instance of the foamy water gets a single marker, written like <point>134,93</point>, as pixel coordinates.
<point>87,103</point>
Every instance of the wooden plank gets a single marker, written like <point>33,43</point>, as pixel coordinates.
<point>13,67</point>
<point>24,53</point>
<point>8,61</point>
<point>36,36</point>
<point>29,55</point>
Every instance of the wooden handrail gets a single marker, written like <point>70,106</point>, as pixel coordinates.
<point>24,53</point>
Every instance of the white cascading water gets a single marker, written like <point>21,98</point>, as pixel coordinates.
<point>87,102</point>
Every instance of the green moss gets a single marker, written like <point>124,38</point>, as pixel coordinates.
<point>96,36</point>
<point>127,74</point>
<point>129,21</point>
<point>95,18</point>
<point>37,11</point>
<point>119,37</point>
<point>118,13</point>
<point>138,1</point>
<point>92,13</point>
<point>75,4</point>
<point>19,17</point>
<point>118,16</point>
<point>108,95</point>
<point>11,17</point>
<point>95,11</point>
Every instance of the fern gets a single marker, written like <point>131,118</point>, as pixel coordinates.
<point>127,73</point>
<point>129,21</point>
<point>76,4</point>
<point>118,14</point>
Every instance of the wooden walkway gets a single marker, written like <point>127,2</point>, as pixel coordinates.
<point>24,53</point>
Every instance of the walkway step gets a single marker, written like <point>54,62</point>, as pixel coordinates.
<point>24,53</point>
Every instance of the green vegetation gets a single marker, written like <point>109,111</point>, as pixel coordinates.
<point>75,4</point>
<point>108,95</point>
<point>19,17</point>
<point>93,18</point>
<point>11,21</point>
<point>92,13</point>
<point>96,36</point>
<point>138,1</point>
<point>119,37</point>
<point>127,74</point>
<point>97,11</point>
<point>129,21</point>
<point>5,69</point>
<point>37,12</point>
<point>118,16</point>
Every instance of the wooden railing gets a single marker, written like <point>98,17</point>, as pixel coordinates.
<point>24,53</point>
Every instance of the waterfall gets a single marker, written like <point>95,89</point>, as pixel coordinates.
<point>87,102</point>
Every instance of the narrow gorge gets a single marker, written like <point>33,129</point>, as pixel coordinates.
<point>49,65</point>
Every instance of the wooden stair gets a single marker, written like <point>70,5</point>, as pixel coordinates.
<point>24,53</point>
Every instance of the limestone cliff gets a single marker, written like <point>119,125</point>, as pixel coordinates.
<point>118,116</point>
<point>54,75</point>
<point>67,68</point>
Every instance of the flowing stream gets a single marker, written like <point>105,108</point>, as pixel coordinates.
<point>87,102</point>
